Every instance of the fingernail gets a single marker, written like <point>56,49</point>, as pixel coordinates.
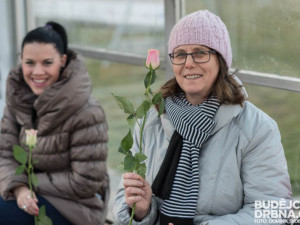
<point>37,210</point>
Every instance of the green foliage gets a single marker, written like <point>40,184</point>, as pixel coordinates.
<point>20,154</point>
<point>143,109</point>
<point>132,163</point>
<point>140,157</point>
<point>150,78</point>
<point>136,163</point>
<point>157,98</point>
<point>42,218</point>
<point>141,170</point>
<point>122,151</point>
<point>34,180</point>
<point>161,107</point>
<point>20,169</point>
<point>129,163</point>
<point>127,141</point>
<point>27,166</point>
<point>124,104</point>
<point>131,120</point>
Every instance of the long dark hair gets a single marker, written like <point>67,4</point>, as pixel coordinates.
<point>51,33</point>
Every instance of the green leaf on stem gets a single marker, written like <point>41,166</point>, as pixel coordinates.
<point>150,78</point>
<point>47,221</point>
<point>140,157</point>
<point>20,154</point>
<point>127,141</point>
<point>42,212</point>
<point>143,109</point>
<point>124,104</point>
<point>42,218</point>
<point>122,151</point>
<point>161,107</point>
<point>129,163</point>
<point>157,98</point>
<point>34,180</point>
<point>141,170</point>
<point>20,169</point>
<point>131,121</point>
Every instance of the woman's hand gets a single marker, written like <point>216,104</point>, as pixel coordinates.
<point>137,190</point>
<point>24,200</point>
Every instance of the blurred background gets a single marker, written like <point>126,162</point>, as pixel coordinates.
<point>114,36</point>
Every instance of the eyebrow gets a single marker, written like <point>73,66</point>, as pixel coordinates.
<point>49,59</point>
<point>200,49</point>
<point>29,59</point>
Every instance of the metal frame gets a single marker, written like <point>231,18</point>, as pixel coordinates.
<point>21,22</point>
<point>114,56</point>
<point>269,80</point>
<point>7,46</point>
<point>246,76</point>
<point>174,10</point>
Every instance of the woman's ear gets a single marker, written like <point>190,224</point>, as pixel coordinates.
<point>63,60</point>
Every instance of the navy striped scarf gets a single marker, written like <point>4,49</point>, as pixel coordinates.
<point>194,124</point>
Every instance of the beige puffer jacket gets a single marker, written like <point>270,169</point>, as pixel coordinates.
<point>71,144</point>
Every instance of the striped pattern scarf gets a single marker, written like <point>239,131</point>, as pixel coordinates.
<point>194,124</point>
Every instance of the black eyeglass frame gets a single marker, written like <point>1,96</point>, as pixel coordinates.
<point>171,55</point>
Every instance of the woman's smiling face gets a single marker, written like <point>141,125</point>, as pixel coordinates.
<point>196,79</point>
<point>41,64</point>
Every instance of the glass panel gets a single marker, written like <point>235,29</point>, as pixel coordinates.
<point>122,25</point>
<point>264,33</point>
<point>123,80</point>
<point>284,108</point>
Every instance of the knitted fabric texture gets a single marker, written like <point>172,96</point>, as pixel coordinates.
<point>202,28</point>
<point>194,124</point>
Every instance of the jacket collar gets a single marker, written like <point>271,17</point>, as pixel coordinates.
<point>225,115</point>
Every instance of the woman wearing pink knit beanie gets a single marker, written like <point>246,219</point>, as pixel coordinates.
<point>213,157</point>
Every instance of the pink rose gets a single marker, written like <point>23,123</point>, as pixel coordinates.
<point>152,61</point>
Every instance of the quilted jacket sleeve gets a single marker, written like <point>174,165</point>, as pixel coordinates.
<point>9,137</point>
<point>264,176</point>
<point>88,152</point>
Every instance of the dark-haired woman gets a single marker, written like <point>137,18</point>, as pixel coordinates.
<point>212,154</point>
<point>51,92</point>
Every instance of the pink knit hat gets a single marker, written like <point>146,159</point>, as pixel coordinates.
<point>202,28</point>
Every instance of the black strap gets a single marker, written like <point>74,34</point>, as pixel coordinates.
<point>165,220</point>
<point>162,184</point>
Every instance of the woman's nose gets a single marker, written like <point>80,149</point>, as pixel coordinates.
<point>189,63</point>
<point>38,69</point>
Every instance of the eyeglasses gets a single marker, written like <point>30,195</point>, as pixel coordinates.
<point>198,57</point>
